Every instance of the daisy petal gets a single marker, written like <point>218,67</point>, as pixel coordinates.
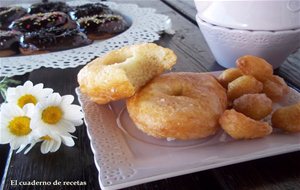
<point>21,148</point>
<point>54,99</point>
<point>56,146</point>
<point>10,94</point>
<point>67,99</point>
<point>68,141</point>
<point>29,109</point>
<point>14,144</point>
<point>30,147</point>
<point>67,126</point>
<point>39,86</point>
<point>28,84</point>
<point>51,143</point>
<point>44,147</point>
<point>45,93</point>
<point>5,136</point>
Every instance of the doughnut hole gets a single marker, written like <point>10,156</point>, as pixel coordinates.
<point>245,84</point>
<point>275,88</point>
<point>116,57</point>
<point>287,118</point>
<point>229,75</point>
<point>255,66</point>
<point>239,126</point>
<point>255,106</point>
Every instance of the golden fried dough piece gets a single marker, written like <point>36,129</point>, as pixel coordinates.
<point>255,106</point>
<point>255,66</point>
<point>287,118</point>
<point>275,88</point>
<point>179,105</point>
<point>120,73</point>
<point>239,126</point>
<point>243,85</point>
<point>229,75</point>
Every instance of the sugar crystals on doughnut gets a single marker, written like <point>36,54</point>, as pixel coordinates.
<point>37,22</point>
<point>49,40</point>
<point>102,26</point>
<point>90,9</point>
<point>9,14</point>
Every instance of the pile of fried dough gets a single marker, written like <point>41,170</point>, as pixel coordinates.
<point>252,88</point>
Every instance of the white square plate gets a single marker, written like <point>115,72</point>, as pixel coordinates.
<point>125,156</point>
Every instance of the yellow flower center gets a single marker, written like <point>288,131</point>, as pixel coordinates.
<point>20,126</point>
<point>52,115</point>
<point>26,99</point>
<point>46,138</point>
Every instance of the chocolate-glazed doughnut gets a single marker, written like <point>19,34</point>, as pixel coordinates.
<point>9,14</point>
<point>9,43</point>
<point>102,26</point>
<point>40,21</point>
<point>90,9</point>
<point>49,40</point>
<point>45,7</point>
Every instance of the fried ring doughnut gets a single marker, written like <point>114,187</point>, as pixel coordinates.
<point>255,66</point>
<point>245,84</point>
<point>45,41</point>
<point>287,118</point>
<point>120,73</point>
<point>43,21</point>
<point>239,126</point>
<point>46,7</point>
<point>275,88</point>
<point>9,43</point>
<point>9,14</point>
<point>255,106</point>
<point>90,9</point>
<point>100,27</point>
<point>229,75</point>
<point>179,105</point>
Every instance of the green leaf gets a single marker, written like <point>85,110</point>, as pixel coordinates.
<point>5,83</point>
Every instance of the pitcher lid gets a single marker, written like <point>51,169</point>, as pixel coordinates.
<point>252,15</point>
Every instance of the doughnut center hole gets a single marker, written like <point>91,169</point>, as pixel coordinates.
<point>118,58</point>
<point>177,92</point>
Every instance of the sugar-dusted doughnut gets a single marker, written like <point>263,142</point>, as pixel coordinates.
<point>120,73</point>
<point>179,105</point>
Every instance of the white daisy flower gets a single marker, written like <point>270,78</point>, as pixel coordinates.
<point>56,115</point>
<point>15,126</point>
<point>52,144</point>
<point>22,95</point>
